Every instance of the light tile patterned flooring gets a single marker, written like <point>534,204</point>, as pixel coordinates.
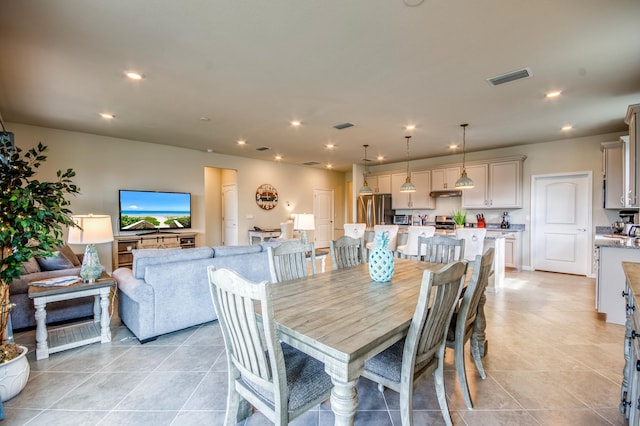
<point>550,361</point>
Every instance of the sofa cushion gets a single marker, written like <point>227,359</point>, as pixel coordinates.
<point>222,251</point>
<point>55,262</point>
<point>69,254</point>
<point>144,258</point>
<point>31,266</point>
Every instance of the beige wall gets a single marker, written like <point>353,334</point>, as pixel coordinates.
<point>104,165</point>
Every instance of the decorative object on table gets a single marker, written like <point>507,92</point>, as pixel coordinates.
<point>459,217</point>
<point>303,223</point>
<point>505,221</point>
<point>266,196</point>
<point>32,216</point>
<point>381,261</point>
<point>407,186</point>
<point>91,230</point>
<point>464,182</point>
<point>365,190</point>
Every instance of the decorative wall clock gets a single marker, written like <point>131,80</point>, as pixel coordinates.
<point>266,196</point>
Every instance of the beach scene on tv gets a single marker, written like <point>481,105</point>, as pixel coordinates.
<point>140,210</point>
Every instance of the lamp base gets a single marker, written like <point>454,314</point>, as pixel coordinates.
<point>91,268</point>
<point>303,237</point>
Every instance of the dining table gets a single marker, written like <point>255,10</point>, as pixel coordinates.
<point>342,318</point>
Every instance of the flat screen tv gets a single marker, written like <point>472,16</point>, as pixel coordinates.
<point>154,210</point>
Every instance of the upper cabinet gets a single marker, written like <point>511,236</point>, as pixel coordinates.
<point>614,172</point>
<point>631,162</point>
<point>497,185</point>
<point>412,200</point>
<point>380,184</point>
<point>444,179</point>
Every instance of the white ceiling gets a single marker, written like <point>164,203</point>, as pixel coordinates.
<point>251,66</point>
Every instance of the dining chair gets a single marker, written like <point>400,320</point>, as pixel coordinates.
<point>473,241</point>
<point>280,381</point>
<point>393,236</point>
<point>346,252</point>
<point>441,249</point>
<point>463,319</point>
<point>355,230</point>
<point>288,261</point>
<point>403,364</point>
<point>286,231</point>
<point>410,249</point>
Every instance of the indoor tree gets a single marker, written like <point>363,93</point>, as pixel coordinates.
<point>33,214</point>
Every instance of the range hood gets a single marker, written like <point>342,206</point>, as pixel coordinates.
<point>447,193</point>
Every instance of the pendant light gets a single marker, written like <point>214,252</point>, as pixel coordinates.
<point>464,182</point>
<point>365,190</point>
<point>407,186</point>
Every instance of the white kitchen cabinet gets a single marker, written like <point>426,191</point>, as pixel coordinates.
<point>444,179</point>
<point>632,157</point>
<point>497,185</point>
<point>383,185</point>
<point>512,251</point>
<point>412,200</point>
<point>611,280</point>
<point>613,172</point>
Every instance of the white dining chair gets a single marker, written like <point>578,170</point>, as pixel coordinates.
<point>286,231</point>
<point>355,230</point>
<point>393,236</point>
<point>410,249</point>
<point>473,241</point>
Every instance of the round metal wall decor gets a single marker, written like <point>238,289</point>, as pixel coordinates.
<point>266,196</point>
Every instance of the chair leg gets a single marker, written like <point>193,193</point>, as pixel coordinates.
<point>458,354</point>
<point>438,376</point>
<point>380,388</point>
<point>477,357</point>
<point>406,404</point>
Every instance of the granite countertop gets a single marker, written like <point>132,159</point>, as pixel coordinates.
<point>619,241</point>
<point>632,273</point>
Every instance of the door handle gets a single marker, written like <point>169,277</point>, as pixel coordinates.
<point>581,230</point>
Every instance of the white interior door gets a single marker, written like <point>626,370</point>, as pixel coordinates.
<point>230,214</point>
<point>561,223</point>
<point>323,212</point>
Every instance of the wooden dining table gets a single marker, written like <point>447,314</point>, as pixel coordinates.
<point>343,318</point>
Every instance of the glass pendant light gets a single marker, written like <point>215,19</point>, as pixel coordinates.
<point>464,182</point>
<point>365,190</point>
<point>407,186</point>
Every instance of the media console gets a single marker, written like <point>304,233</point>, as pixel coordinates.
<point>124,244</point>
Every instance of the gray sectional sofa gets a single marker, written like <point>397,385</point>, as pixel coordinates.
<point>168,289</point>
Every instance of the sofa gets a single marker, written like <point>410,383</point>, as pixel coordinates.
<point>63,262</point>
<point>168,289</point>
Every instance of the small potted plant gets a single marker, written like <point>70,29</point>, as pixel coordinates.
<point>459,218</point>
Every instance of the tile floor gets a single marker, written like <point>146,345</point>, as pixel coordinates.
<point>550,361</point>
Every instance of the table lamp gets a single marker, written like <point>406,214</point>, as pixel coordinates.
<point>91,230</point>
<point>303,223</point>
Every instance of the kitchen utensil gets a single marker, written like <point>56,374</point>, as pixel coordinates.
<point>618,227</point>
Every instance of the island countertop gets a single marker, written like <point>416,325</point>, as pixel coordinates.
<point>632,274</point>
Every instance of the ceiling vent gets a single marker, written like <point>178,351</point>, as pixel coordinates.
<point>262,148</point>
<point>310,163</point>
<point>343,126</point>
<point>510,76</point>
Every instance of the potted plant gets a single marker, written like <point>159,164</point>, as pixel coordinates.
<point>32,217</point>
<point>459,217</point>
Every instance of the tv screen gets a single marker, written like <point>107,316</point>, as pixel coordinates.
<point>154,210</point>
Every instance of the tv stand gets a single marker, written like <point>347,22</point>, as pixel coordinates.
<point>156,231</point>
<point>125,244</point>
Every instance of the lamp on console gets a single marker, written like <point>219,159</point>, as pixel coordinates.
<point>303,223</point>
<point>91,230</point>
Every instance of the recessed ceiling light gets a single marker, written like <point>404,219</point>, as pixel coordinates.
<point>453,146</point>
<point>209,150</point>
<point>107,116</point>
<point>242,142</point>
<point>330,145</point>
<point>410,127</point>
<point>134,75</point>
<point>565,128</point>
<point>204,119</point>
<point>380,157</point>
<point>329,166</point>
<point>296,123</point>
<point>553,94</point>
<point>278,157</point>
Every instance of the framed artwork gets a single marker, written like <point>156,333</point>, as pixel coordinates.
<point>266,196</point>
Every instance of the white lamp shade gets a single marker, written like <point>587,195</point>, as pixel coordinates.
<point>94,229</point>
<point>304,222</point>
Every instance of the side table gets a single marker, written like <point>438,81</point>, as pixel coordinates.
<point>60,338</point>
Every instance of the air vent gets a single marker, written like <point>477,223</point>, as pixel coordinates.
<point>510,76</point>
<point>262,148</point>
<point>343,126</point>
<point>310,163</point>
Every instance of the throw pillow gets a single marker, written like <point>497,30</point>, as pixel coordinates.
<point>30,266</point>
<point>56,262</point>
<point>69,254</point>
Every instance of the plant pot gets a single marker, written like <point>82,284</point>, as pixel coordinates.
<point>459,226</point>
<point>14,375</point>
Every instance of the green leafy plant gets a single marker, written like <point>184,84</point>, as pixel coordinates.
<point>459,217</point>
<point>33,214</point>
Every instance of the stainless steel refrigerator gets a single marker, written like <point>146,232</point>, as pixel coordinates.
<point>375,210</point>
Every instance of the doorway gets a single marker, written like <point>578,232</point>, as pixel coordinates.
<point>230,214</point>
<point>561,223</point>
<point>323,212</point>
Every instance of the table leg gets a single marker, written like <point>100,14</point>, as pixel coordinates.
<point>42,349</point>
<point>344,401</point>
<point>96,308</point>
<point>105,331</point>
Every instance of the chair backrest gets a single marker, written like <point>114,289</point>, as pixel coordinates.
<point>468,309</point>
<point>253,347</point>
<point>286,231</point>
<point>412,238</point>
<point>288,261</point>
<point>346,252</point>
<point>441,249</point>
<point>355,230</point>
<point>426,337</point>
<point>393,234</point>
<point>473,241</point>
